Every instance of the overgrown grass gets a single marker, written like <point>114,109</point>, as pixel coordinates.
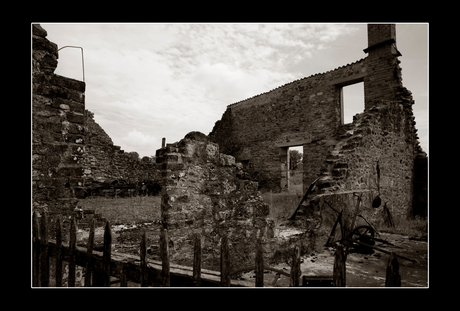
<point>282,205</point>
<point>417,227</point>
<point>132,210</point>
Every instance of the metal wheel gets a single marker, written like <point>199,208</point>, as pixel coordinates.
<point>363,234</point>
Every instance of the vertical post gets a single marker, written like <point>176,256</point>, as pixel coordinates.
<point>197,260</point>
<point>339,273</point>
<point>259,269</point>
<point>123,278</point>
<point>164,253</point>
<point>89,254</point>
<point>163,142</point>
<point>72,253</point>
<point>107,254</point>
<point>295,268</point>
<point>44,256</point>
<point>58,252</point>
<point>36,250</point>
<point>224,262</point>
<point>143,253</point>
<point>393,278</point>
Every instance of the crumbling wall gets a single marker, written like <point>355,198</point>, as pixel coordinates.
<point>304,112</point>
<point>105,162</point>
<point>308,112</point>
<point>376,157</point>
<point>207,192</point>
<point>58,104</point>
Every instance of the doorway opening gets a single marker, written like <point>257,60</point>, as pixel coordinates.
<point>352,101</point>
<point>296,169</point>
<point>292,169</point>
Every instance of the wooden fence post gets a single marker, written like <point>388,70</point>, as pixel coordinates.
<point>393,278</point>
<point>36,250</point>
<point>224,262</point>
<point>295,268</point>
<point>197,260</point>
<point>123,278</point>
<point>339,273</point>
<point>164,253</point>
<point>58,252</point>
<point>259,269</point>
<point>44,255</point>
<point>72,248</point>
<point>143,254</point>
<point>89,254</point>
<point>107,254</point>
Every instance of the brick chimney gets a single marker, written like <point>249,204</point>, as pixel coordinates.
<point>384,74</point>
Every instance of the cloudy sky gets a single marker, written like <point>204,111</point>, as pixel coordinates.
<point>148,81</point>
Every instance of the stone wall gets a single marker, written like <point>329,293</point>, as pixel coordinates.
<point>58,104</point>
<point>381,142</point>
<point>206,192</point>
<point>309,112</point>
<point>304,112</point>
<point>105,162</point>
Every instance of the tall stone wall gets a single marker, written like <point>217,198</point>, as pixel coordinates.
<point>58,136</point>
<point>304,112</point>
<point>309,112</point>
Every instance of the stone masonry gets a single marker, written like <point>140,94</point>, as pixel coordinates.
<point>309,112</point>
<point>206,192</point>
<point>210,184</point>
<point>106,162</point>
<point>58,105</point>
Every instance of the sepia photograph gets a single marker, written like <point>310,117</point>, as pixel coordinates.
<point>240,155</point>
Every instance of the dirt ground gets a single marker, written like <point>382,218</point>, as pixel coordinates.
<point>363,270</point>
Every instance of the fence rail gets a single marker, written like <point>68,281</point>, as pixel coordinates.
<point>104,268</point>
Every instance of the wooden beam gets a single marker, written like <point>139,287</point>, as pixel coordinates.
<point>339,272</point>
<point>352,79</point>
<point>293,143</point>
<point>58,252</point>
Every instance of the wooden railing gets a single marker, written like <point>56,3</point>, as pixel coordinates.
<point>103,269</point>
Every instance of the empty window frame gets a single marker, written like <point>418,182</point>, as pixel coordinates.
<point>352,101</point>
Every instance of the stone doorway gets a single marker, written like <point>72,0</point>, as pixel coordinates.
<point>291,168</point>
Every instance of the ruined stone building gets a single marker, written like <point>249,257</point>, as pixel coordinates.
<point>211,183</point>
<point>69,149</point>
<point>308,112</point>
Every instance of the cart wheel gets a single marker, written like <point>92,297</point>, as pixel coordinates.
<point>364,234</point>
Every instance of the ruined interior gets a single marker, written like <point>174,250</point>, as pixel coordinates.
<point>309,112</point>
<point>211,183</point>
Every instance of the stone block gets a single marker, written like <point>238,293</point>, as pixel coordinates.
<point>227,160</point>
<point>39,31</point>
<point>76,118</point>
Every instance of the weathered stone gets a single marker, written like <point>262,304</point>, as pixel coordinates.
<point>52,122</point>
<point>208,189</point>
<point>38,30</point>
<point>260,129</point>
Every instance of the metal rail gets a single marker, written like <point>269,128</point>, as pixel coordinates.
<point>82,59</point>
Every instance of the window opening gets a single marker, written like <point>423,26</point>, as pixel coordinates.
<point>352,101</point>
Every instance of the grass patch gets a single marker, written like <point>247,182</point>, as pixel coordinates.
<point>282,205</point>
<point>132,210</point>
<point>417,228</point>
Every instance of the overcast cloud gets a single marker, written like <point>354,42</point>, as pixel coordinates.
<point>148,81</point>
